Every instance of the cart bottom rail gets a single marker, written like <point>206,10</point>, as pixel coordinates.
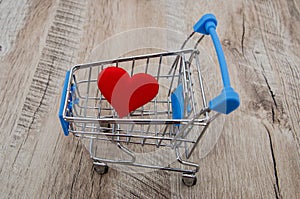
<point>188,175</point>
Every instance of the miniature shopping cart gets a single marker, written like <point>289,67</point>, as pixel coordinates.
<point>169,126</point>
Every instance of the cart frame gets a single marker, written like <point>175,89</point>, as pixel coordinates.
<point>155,126</point>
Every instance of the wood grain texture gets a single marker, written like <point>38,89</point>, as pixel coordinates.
<point>258,152</point>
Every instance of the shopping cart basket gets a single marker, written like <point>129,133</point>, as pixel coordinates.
<point>172,123</point>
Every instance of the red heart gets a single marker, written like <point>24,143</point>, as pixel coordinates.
<point>126,93</point>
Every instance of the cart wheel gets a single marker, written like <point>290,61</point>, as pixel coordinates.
<point>189,179</point>
<point>101,169</point>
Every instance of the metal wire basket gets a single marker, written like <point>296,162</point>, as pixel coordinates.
<point>174,121</point>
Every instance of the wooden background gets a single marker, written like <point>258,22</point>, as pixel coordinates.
<point>257,154</point>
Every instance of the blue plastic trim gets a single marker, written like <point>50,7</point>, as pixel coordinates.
<point>228,100</point>
<point>64,124</point>
<point>177,103</point>
<point>200,25</point>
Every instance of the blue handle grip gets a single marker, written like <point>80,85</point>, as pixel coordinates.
<point>228,100</point>
<point>64,124</point>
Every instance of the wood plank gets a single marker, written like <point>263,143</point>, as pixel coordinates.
<point>257,153</point>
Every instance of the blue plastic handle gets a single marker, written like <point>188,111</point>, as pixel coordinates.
<point>64,124</point>
<point>228,100</point>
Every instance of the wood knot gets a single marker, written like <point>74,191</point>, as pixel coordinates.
<point>226,43</point>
